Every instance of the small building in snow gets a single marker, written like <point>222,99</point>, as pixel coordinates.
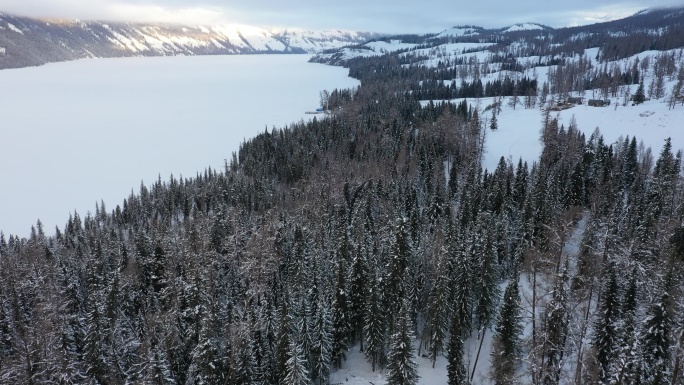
<point>598,103</point>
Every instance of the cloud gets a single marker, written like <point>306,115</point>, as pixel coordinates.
<point>390,16</point>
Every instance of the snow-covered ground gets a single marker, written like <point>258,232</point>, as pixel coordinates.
<point>357,371</point>
<point>75,133</point>
<point>518,134</point>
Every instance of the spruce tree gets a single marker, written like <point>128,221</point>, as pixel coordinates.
<point>506,353</point>
<point>296,372</point>
<point>656,343</point>
<point>628,361</point>
<point>402,368</point>
<point>640,95</point>
<point>341,317</point>
<point>555,332</point>
<point>606,327</point>
<point>437,323</point>
<point>322,343</point>
<point>374,325</point>
<point>493,124</point>
<point>456,370</point>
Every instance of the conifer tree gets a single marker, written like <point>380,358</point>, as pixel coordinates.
<point>506,354</point>
<point>395,289</point>
<point>402,368</point>
<point>437,323</point>
<point>357,292</point>
<point>282,344</point>
<point>555,330</point>
<point>374,325</point>
<point>656,343</point>
<point>159,368</point>
<point>640,95</point>
<point>322,343</point>
<point>605,330</point>
<point>456,370</point>
<point>628,360</point>
<point>341,317</point>
<point>493,124</point>
<point>296,372</point>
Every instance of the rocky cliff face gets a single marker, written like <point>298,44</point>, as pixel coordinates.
<point>29,42</point>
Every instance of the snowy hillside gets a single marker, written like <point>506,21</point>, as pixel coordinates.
<point>30,42</point>
<point>514,83</point>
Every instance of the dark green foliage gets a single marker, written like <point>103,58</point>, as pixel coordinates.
<point>656,343</point>
<point>374,327</point>
<point>296,372</point>
<point>456,370</point>
<point>507,347</point>
<point>493,124</point>
<point>640,95</point>
<point>606,326</point>
<point>341,318</point>
<point>402,368</point>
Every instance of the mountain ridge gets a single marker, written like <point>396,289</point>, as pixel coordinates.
<point>29,41</point>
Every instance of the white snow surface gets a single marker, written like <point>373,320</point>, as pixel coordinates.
<point>458,31</point>
<point>357,371</point>
<point>523,27</point>
<point>79,132</point>
<point>14,28</point>
<point>518,133</point>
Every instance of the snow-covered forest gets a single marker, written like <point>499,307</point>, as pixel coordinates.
<point>375,231</point>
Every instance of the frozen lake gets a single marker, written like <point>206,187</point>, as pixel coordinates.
<point>75,133</point>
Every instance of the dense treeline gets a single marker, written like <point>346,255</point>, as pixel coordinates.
<point>365,229</point>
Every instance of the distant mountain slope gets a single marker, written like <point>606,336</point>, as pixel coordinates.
<point>655,29</point>
<point>28,42</point>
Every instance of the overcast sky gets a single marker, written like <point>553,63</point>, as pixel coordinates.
<point>385,16</point>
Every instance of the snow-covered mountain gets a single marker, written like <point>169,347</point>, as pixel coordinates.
<point>657,29</point>
<point>27,41</point>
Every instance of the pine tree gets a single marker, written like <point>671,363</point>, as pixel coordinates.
<point>206,367</point>
<point>605,330</point>
<point>399,259</point>
<point>483,251</point>
<point>296,372</point>
<point>628,360</point>
<point>437,323</point>
<point>656,343</point>
<point>640,96</point>
<point>402,368</point>
<point>462,291</point>
<point>556,330</point>
<point>322,343</point>
<point>456,370</point>
<point>357,292</point>
<point>159,368</point>
<point>245,364</point>
<point>493,124</point>
<point>506,354</point>
<point>374,325</point>
<point>282,344</point>
<point>341,318</point>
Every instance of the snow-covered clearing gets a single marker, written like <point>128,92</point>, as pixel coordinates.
<point>518,134</point>
<point>80,132</point>
<point>357,371</point>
